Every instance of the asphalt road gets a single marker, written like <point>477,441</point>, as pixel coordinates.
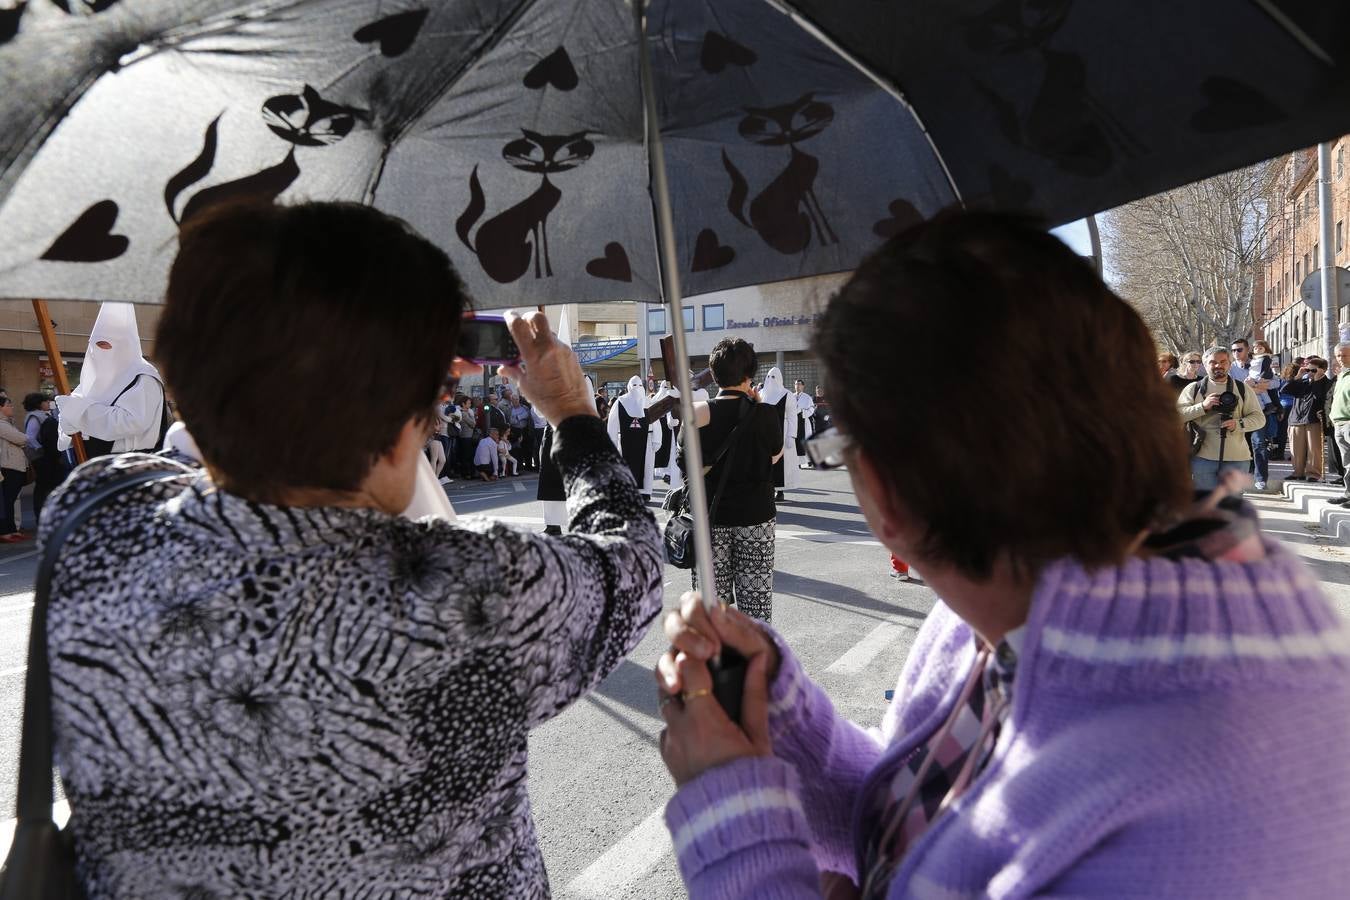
<point>596,779</point>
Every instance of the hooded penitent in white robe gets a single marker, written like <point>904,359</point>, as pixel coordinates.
<point>785,475</point>
<point>555,511</point>
<point>634,403</point>
<point>103,406</point>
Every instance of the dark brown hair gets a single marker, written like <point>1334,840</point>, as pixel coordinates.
<point>1002,460</point>
<point>298,340</point>
<point>732,361</point>
<point>1170,359</point>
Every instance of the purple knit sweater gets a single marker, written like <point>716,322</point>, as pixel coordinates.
<point>1180,728</point>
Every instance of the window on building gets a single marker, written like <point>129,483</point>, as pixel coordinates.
<point>1340,161</point>
<point>688,318</point>
<point>1340,236</point>
<point>656,321</point>
<point>1297,269</point>
<point>714,317</point>
<point>1316,257</point>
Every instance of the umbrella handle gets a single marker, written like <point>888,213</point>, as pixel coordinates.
<point>728,677</point>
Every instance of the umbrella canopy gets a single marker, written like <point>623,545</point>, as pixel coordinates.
<point>511,132</point>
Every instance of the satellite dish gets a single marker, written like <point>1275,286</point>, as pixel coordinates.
<point>1310,291</point>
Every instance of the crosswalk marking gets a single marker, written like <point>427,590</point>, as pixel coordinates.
<point>628,860</point>
<point>861,654</point>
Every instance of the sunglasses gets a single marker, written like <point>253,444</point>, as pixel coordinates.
<point>829,449</point>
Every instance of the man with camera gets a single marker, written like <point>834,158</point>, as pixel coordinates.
<point>1224,409</point>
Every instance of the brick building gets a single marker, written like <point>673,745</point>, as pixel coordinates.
<point>1293,244</point>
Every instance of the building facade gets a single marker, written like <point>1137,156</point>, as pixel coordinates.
<point>1293,251</point>
<point>777,318</point>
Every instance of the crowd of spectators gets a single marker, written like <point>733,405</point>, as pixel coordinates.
<point>1301,413</point>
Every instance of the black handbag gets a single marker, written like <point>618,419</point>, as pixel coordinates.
<point>679,533</point>
<point>41,860</point>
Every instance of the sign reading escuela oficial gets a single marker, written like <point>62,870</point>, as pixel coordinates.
<point>773,321</point>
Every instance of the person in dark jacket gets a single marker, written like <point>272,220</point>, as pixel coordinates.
<point>49,463</point>
<point>1187,372</point>
<point>742,512</point>
<point>1309,392</point>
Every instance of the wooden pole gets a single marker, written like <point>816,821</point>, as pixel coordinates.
<point>44,321</point>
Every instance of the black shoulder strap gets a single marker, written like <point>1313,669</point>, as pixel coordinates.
<point>35,753</point>
<point>747,405</point>
<point>164,414</point>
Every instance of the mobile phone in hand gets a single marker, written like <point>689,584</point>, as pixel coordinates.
<point>487,341</point>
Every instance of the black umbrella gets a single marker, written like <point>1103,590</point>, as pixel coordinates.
<point>794,135</point>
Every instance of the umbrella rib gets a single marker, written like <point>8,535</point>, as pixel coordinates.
<point>786,8</point>
<point>495,38</point>
<point>1294,31</point>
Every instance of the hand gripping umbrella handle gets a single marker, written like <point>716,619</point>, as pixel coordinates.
<point>728,676</point>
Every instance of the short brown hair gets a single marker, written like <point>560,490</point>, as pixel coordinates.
<point>278,319</point>
<point>1013,464</point>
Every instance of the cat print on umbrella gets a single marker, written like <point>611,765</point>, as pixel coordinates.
<point>305,119</point>
<point>508,242</point>
<point>787,211</point>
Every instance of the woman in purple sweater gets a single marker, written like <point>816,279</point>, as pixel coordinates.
<point>1125,689</point>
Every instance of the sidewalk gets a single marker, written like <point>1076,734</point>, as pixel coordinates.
<point>1298,514</point>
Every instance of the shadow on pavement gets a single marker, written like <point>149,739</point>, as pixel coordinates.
<point>830,594</point>
<point>1325,570</point>
<point>822,523</point>
<point>632,686</point>
<point>820,506</point>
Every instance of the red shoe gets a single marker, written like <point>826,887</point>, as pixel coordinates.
<point>12,538</point>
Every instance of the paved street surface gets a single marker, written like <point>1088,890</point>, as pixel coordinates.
<point>597,783</point>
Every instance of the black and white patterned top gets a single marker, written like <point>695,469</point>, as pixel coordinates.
<point>257,701</point>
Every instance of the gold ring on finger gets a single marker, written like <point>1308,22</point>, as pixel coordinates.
<point>686,696</point>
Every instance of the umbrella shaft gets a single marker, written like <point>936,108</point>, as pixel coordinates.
<point>670,291</point>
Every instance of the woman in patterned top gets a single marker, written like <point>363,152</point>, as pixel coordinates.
<point>268,683</point>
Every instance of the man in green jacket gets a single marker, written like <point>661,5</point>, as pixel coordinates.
<point>1340,414</point>
<point>1204,403</point>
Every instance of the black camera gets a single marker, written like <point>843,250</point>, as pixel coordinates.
<point>1227,404</point>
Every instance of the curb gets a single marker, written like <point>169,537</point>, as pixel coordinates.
<point>1311,499</point>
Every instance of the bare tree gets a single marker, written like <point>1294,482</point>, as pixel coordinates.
<point>1188,258</point>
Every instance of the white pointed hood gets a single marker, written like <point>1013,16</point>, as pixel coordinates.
<point>590,391</point>
<point>106,372</point>
<point>635,400</point>
<point>773,387</point>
